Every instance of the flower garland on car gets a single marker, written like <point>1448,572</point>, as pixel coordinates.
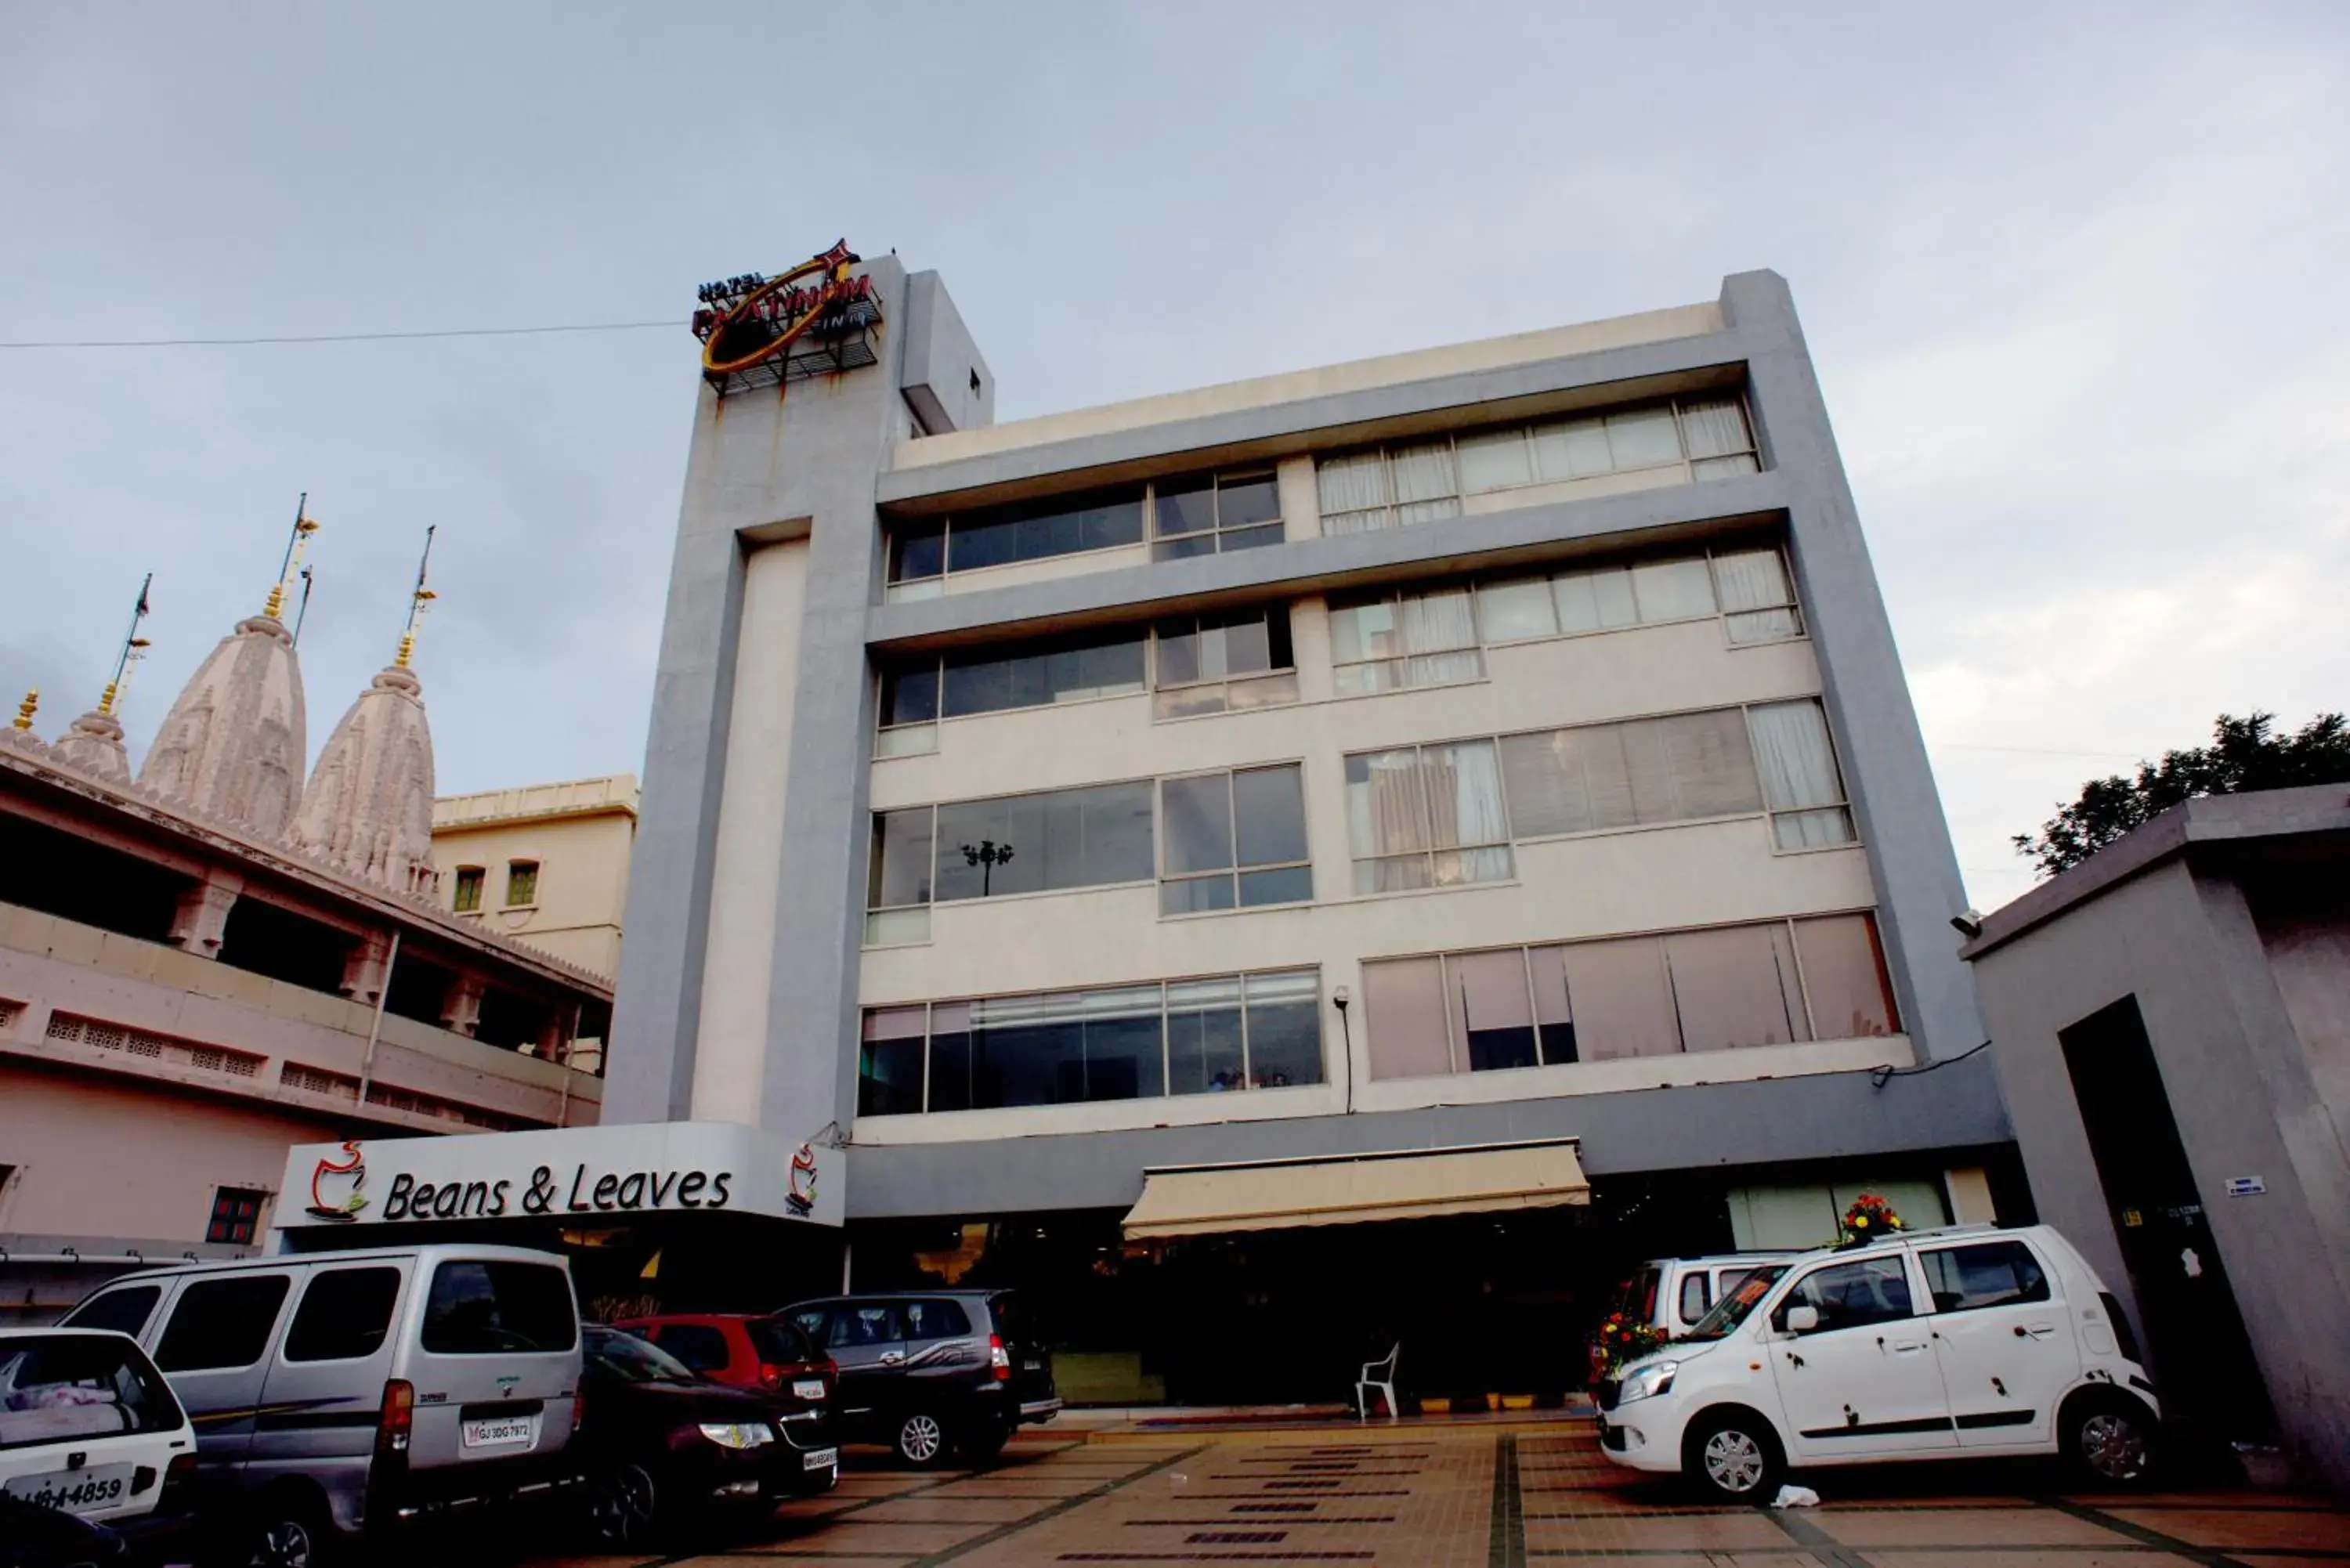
<point>1625,1339</point>
<point>1870,1218</point>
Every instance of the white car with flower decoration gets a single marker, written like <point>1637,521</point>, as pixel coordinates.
<point>1959,1343</point>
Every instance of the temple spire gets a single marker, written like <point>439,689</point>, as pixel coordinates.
<point>27,708</point>
<point>418,600</point>
<point>296,541</point>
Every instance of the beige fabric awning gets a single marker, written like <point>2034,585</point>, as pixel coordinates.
<point>1275,1195</point>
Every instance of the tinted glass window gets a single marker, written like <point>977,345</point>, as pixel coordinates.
<point>1992,1274</point>
<point>697,1345</point>
<point>481,1308</point>
<point>344,1314</point>
<point>222,1323</point>
<point>1640,1296</point>
<point>867,1322</point>
<point>55,1388</point>
<point>625,1359</point>
<point>1694,1300</point>
<point>125,1311</point>
<point>936,1320</point>
<point>1849,1295</point>
<point>780,1339</point>
<point>809,1321</point>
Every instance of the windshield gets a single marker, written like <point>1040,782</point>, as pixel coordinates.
<point>627,1360</point>
<point>1732,1309</point>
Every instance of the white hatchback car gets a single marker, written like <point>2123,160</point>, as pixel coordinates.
<point>1966,1342</point>
<point>88,1425</point>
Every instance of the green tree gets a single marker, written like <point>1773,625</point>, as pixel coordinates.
<point>2244,754</point>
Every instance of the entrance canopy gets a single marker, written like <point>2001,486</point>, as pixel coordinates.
<point>1350,1190</point>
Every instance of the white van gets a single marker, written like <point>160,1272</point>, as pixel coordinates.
<point>1672,1295</point>
<point>88,1425</point>
<point>1967,1341</point>
<point>333,1392</point>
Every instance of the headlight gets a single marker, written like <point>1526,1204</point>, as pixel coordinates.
<point>1646,1382</point>
<point>738,1434</point>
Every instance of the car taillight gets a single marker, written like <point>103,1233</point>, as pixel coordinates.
<point>770,1376</point>
<point>398,1418</point>
<point>831,1371</point>
<point>998,1358</point>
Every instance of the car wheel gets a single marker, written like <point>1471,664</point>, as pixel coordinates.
<point>982,1444</point>
<point>2110,1441</point>
<point>1733,1457</point>
<point>625,1503</point>
<point>921,1441</point>
<point>287,1532</point>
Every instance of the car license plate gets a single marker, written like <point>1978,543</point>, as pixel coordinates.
<point>500,1431</point>
<point>73,1491</point>
<point>1032,1366</point>
<point>809,1388</point>
<point>820,1460</point>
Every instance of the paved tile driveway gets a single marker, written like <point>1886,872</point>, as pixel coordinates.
<point>1505,1496</point>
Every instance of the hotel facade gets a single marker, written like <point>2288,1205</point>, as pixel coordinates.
<point>1362,853</point>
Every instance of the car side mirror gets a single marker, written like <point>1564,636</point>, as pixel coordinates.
<point>1803,1319</point>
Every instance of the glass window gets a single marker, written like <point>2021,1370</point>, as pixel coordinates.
<point>1226,659</point>
<point>1735,986</point>
<point>1684,768</point>
<point>64,1387</point>
<point>1643,437</point>
<point>1516,609</point>
<point>1052,525</point>
<point>902,858</point>
<point>1353,491</point>
<point>467,896</point>
<point>1719,440</point>
<point>522,882</point>
<point>125,1311</point>
<point>1599,600</point>
<point>1696,1297</point>
<point>860,1324</point>
<point>1623,999</point>
<point>1987,1274</point>
<point>222,1323</point>
<point>1851,1295</point>
<point>1800,781</point>
<point>1425,486</point>
<point>779,1341</point>
<point>1233,840</point>
<point>1757,595</point>
<point>484,1308</point>
<point>1844,975</point>
<point>1571,449</point>
<point>1496,1014</point>
<point>1495,460</point>
<point>1201,516</point>
<point>936,1320</point>
<point>1676,589</point>
<point>890,1062</point>
<point>918,549</point>
<point>1067,1048</point>
<point>1395,640</point>
<point>1206,1052</point>
<point>1284,1029</point>
<point>1042,672</point>
<point>344,1314</point>
<point>1427,816</point>
<point>1553,1017</point>
<point>237,1214</point>
<point>1042,843</point>
<point>698,1345</point>
<point>1403,1000</point>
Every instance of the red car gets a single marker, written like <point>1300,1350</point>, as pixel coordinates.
<point>740,1349</point>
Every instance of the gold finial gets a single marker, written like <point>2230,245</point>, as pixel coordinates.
<point>419,601</point>
<point>27,708</point>
<point>304,526</point>
<point>134,648</point>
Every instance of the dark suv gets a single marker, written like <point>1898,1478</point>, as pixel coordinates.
<point>934,1372</point>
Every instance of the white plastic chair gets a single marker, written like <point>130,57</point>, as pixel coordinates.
<point>1378,1374</point>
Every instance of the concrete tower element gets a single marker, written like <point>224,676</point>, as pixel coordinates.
<point>368,809</point>
<point>233,744</point>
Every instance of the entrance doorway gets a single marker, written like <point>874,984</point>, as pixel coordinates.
<point>2201,1355</point>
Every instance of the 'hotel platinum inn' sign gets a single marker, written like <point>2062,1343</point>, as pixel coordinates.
<point>570,1174</point>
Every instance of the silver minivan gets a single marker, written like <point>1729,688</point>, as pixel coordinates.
<point>337,1392</point>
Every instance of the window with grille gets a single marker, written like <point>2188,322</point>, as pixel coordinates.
<point>236,1215</point>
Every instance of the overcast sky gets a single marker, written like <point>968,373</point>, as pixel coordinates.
<point>2073,277</point>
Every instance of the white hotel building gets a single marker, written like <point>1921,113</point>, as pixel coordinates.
<point>1494,757</point>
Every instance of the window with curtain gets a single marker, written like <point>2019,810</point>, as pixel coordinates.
<point>1427,816</point>
<point>1233,840</point>
<point>1758,596</point>
<point>1714,989</point>
<point>1212,513</point>
<point>1403,483</point>
<point>1800,781</point>
<point>1394,640</point>
<point>1224,661</point>
<point>1683,767</point>
<point>1219,1034</point>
